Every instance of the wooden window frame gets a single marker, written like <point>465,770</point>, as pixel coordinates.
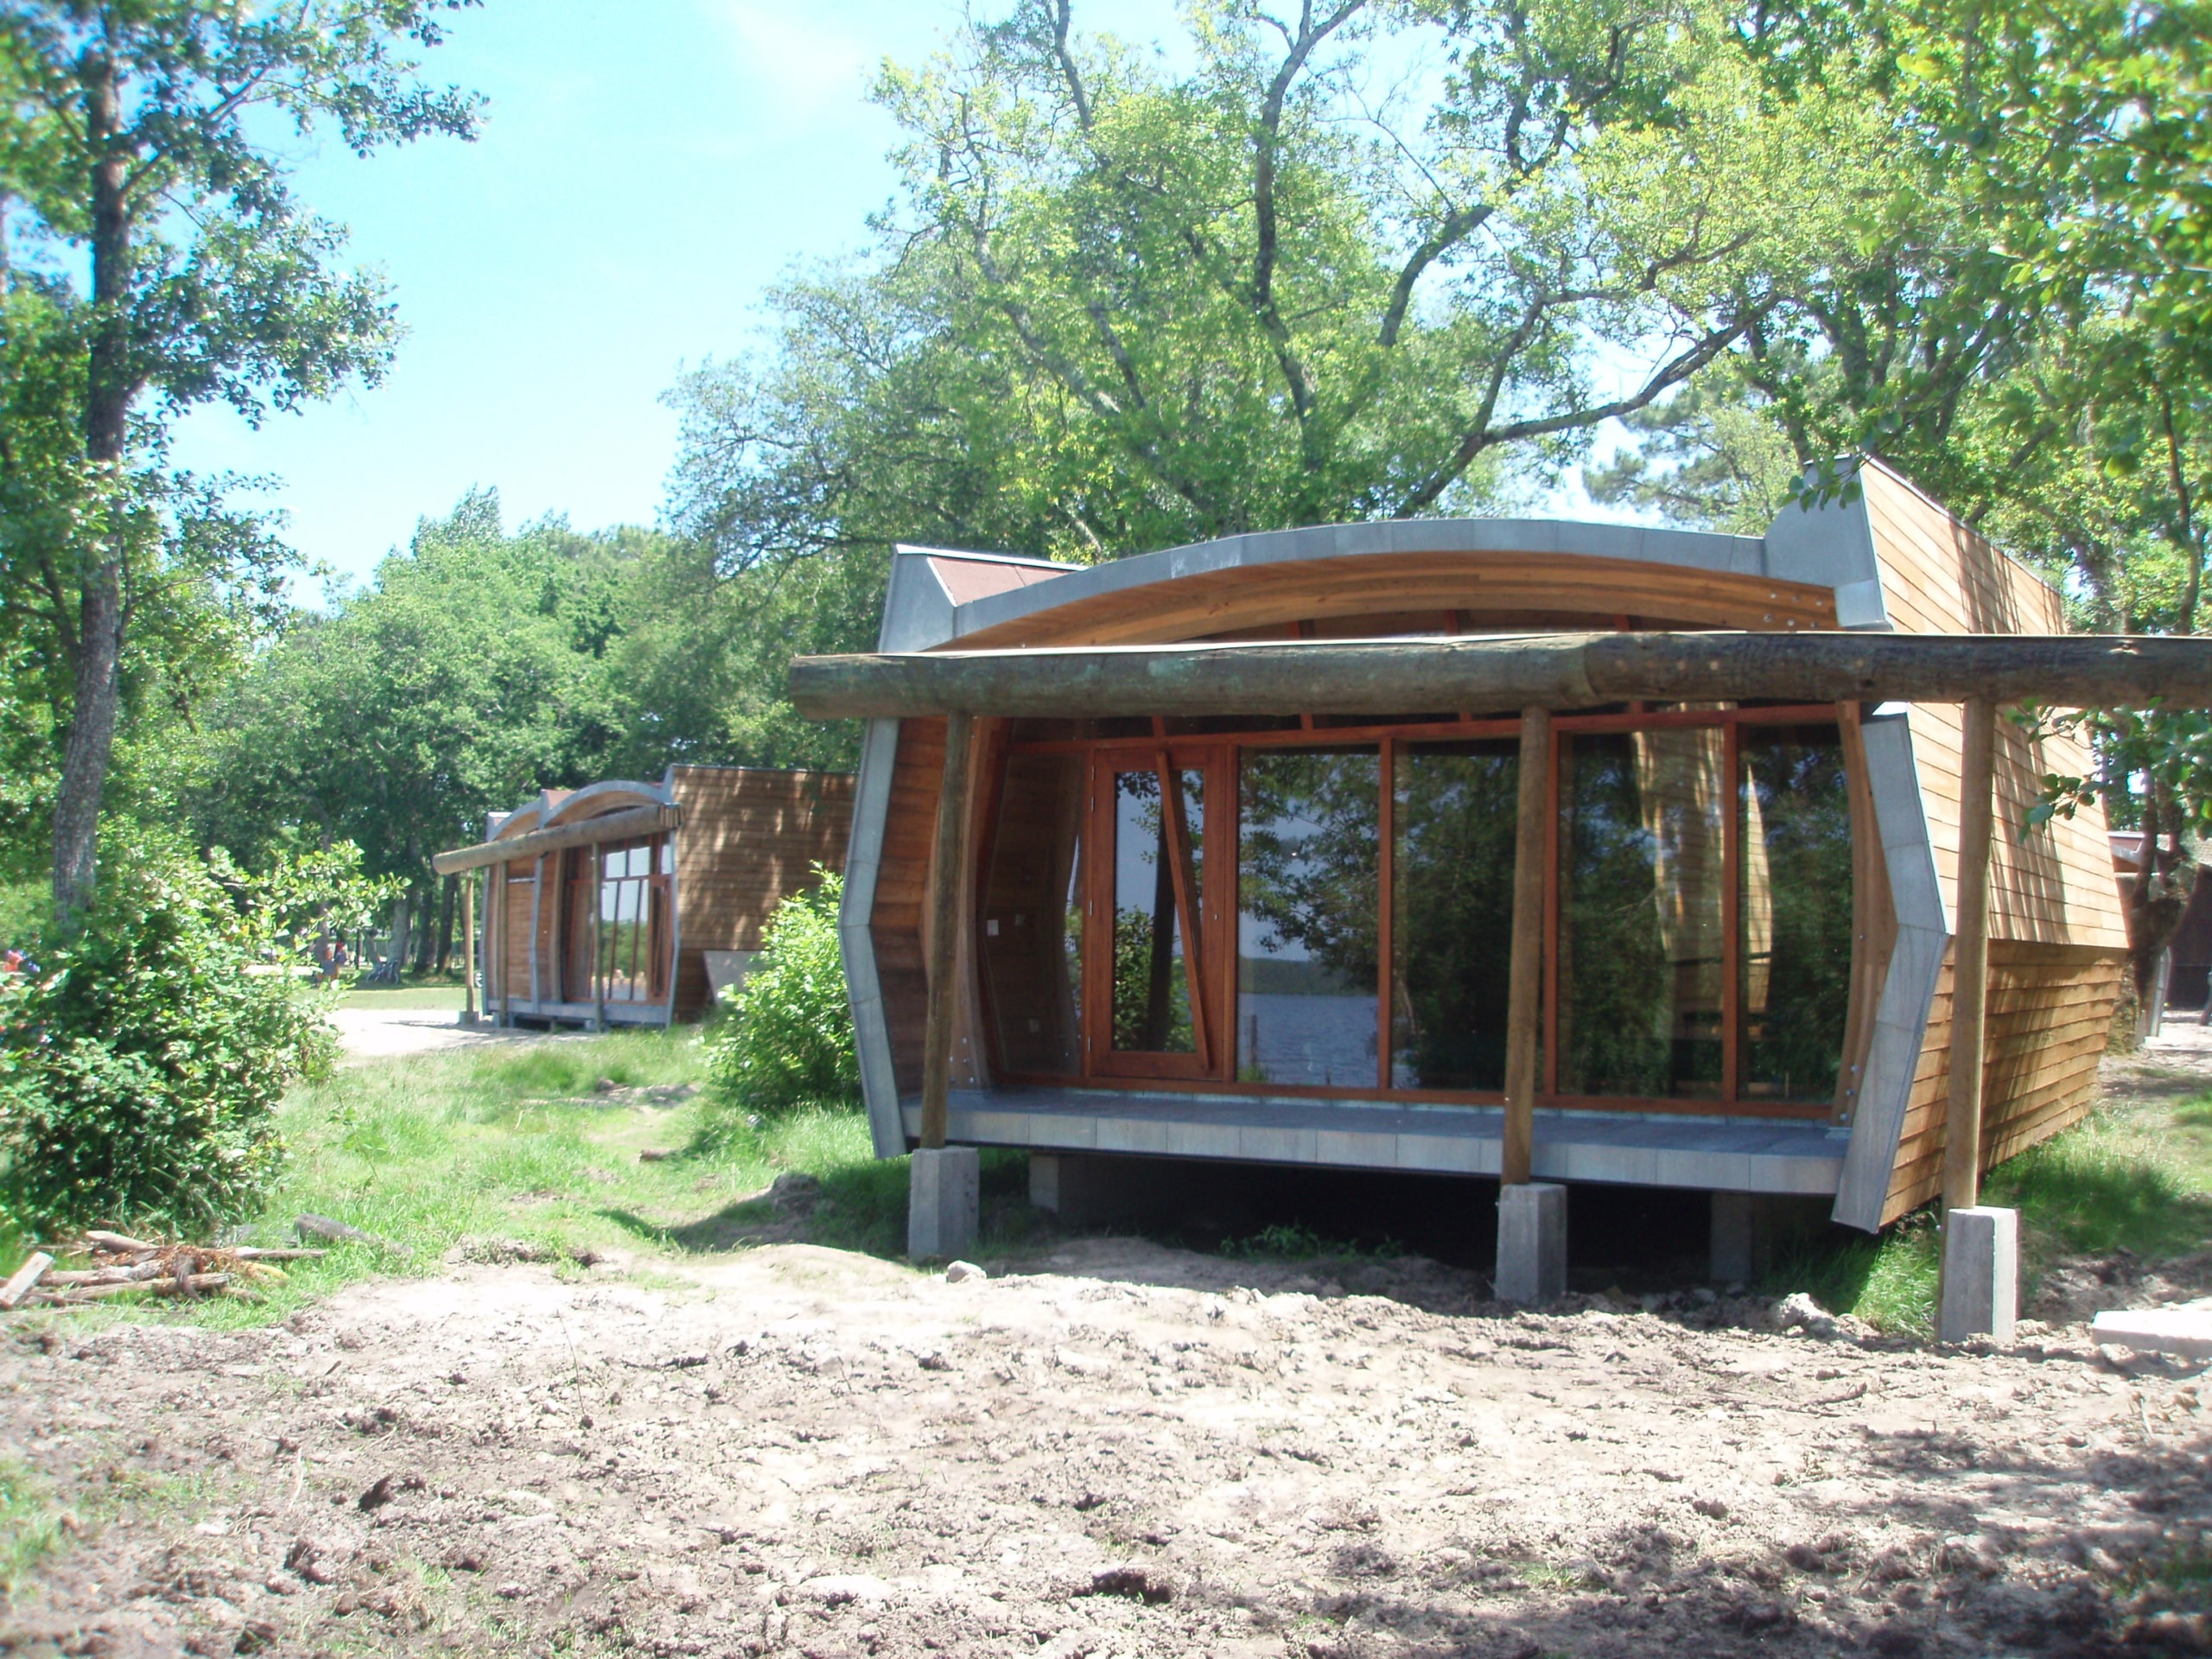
<point>1213,1057</point>
<point>1208,946</point>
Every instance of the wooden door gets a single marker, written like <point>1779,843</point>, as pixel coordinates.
<point>1152,931</point>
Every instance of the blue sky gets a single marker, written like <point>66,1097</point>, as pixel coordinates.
<point>645,172</point>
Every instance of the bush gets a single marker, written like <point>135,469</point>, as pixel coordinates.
<point>787,1041</point>
<point>140,1075</point>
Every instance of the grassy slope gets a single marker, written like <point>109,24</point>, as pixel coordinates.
<point>512,1142</point>
<point>2135,1176</point>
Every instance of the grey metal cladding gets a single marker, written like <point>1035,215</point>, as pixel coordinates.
<point>856,939</point>
<point>918,613</point>
<point>1908,984</point>
<point>1832,544</point>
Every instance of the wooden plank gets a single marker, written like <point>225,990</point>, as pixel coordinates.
<point>25,1278</point>
<point>948,870</point>
<point>1524,979</point>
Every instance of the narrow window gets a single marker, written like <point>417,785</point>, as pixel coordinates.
<point>1451,924</point>
<point>1158,871</point>
<point>1308,892</point>
<point>1033,922</point>
<point>1795,911</point>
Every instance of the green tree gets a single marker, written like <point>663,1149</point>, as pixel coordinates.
<point>179,271</point>
<point>1118,307</point>
<point>462,681</point>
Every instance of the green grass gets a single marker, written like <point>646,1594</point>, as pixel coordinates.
<point>30,1525</point>
<point>432,995</point>
<point>2134,1175</point>
<point>512,1142</point>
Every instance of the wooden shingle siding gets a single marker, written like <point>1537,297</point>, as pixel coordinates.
<point>2050,1017</point>
<point>2057,939</point>
<point>750,838</point>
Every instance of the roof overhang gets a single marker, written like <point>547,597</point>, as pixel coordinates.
<point>608,826</point>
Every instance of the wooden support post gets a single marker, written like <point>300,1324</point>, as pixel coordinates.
<point>598,978</point>
<point>948,870</point>
<point>1970,959</point>
<point>499,952</point>
<point>1528,959</point>
<point>469,948</point>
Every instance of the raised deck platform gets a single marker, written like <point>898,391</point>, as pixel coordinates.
<point>1727,1155</point>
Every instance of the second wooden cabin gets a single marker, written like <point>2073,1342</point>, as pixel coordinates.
<point>1285,939</point>
<point>629,903</point>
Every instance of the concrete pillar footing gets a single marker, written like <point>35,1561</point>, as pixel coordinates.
<point>1981,1274</point>
<point>1531,1243</point>
<point>941,1202</point>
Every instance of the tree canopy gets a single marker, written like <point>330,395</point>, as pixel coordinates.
<point>161,263</point>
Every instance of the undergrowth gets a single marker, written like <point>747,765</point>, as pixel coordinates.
<point>2136,1175</point>
<point>1293,1241</point>
<point>30,1524</point>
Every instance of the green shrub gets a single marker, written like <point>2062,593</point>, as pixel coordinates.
<point>140,1074</point>
<point>786,1040</point>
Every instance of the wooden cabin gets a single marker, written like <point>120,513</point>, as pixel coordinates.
<point>686,872</point>
<point>1284,938</point>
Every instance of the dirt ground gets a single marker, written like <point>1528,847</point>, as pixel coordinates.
<point>1114,1450</point>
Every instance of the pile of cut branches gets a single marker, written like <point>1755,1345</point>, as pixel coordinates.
<point>114,1265</point>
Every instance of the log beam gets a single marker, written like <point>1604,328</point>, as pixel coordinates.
<point>1525,971</point>
<point>1572,670</point>
<point>948,865</point>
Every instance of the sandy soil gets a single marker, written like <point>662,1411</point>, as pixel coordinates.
<point>1115,1450</point>
<point>798,1451</point>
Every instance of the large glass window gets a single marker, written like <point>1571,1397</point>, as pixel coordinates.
<point>1641,952</point>
<point>1032,917</point>
<point>1158,896</point>
<point>1308,892</point>
<point>1452,923</point>
<point>1354,929</point>
<point>1796,910</point>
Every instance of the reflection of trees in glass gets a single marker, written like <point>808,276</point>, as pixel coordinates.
<point>1151,992</point>
<point>1618,1027</point>
<point>1453,930</point>
<point>1031,943</point>
<point>1309,868</point>
<point>1798,900</point>
<point>1308,840</point>
<point>1152,1010</point>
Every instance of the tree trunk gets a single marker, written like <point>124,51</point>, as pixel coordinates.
<point>110,390</point>
<point>397,951</point>
<point>92,743</point>
<point>446,902</point>
<point>2156,904</point>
